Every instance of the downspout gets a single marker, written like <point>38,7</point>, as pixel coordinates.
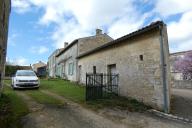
<point>164,74</point>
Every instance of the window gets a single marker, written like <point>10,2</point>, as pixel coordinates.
<point>70,69</point>
<point>141,57</point>
<point>94,69</point>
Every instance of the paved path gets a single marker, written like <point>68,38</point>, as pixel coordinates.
<point>182,102</point>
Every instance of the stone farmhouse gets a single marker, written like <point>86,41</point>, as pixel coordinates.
<point>51,64</point>
<point>5,9</point>
<point>141,59</point>
<point>176,75</point>
<point>67,63</point>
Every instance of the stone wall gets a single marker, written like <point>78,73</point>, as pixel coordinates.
<point>92,42</point>
<point>5,8</point>
<point>52,63</point>
<point>63,62</point>
<point>140,79</point>
<point>182,84</point>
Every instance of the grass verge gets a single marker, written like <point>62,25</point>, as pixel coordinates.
<point>43,98</point>
<point>67,89</point>
<point>12,108</point>
<point>76,93</point>
<point>118,102</point>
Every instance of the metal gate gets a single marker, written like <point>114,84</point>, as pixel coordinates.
<point>101,85</point>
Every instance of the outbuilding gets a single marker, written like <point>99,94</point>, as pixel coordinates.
<point>141,59</point>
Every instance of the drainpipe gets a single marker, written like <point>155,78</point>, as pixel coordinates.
<point>164,74</point>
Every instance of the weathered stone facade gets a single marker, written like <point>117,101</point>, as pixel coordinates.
<point>51,66</point>
<point>142,61</point>
<point>5,8</point>
<point>67,59</point>
<point>89,43</point>
<point>67,63</point>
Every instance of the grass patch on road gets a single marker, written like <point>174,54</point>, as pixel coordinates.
<point>7,82</point>
<point>43,98</point>
<point>12,108</point>
<point>67,89</point>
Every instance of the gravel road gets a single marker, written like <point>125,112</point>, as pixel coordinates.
<point>73,115</point>
<point>182,102</point>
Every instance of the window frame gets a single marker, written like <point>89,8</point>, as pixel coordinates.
<point>71,68</point>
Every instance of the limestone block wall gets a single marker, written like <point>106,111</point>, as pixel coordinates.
<point>69,56</point>
<point>140,79</point>
<point>52,63</point>
<point>89,43</point>
<point>182,84</point>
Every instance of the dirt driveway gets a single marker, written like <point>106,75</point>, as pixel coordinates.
<point>73,115</point>
<point>182,102</point>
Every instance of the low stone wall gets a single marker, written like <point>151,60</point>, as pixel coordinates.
<point>183,84</point>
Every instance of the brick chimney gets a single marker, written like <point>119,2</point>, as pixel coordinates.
<point>65,44</point>
<point>98,31</point>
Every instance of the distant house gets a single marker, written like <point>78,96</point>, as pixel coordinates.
<point>51,64</point>
<point>38,65</point>
<point>67,63</point>
<point>42,71</point>
<point>176,75</point>
<point>5,9</point>
<point>141,59</point>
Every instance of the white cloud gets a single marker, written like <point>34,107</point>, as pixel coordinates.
<point>170,7</point>
<point>39,50</point>
<point>180,32</point>
<point>18,61</point>
<point>74,19</point>
<point>124,26</point>
<point>80,18</point>
<point>21,6</point>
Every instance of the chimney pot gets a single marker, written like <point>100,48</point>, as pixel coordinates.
<point>98,31</point>
<point>65,44</point>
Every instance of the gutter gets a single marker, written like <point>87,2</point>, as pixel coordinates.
<point>164,74</point>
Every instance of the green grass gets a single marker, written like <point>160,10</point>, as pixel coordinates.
<point>7,82</point>
<point>12,108</point>
<point>67,89</point>
<point>43,98</point>
<point>39,96</point>
<point>118,102</point>
<point>76,93</point>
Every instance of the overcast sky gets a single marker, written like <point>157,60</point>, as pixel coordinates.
<point>38,27</point>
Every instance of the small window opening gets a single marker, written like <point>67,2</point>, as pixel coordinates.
<point>141,57</point>
<point>94,69</point>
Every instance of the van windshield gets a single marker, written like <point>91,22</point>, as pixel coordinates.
<point>25,73</point>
